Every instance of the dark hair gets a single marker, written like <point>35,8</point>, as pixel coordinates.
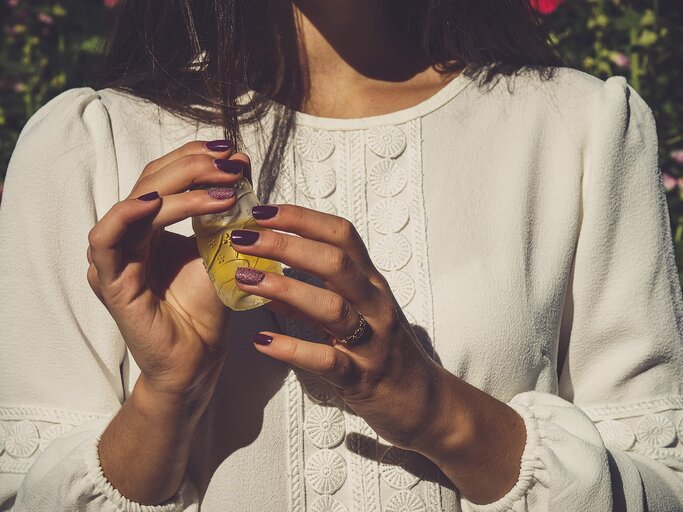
<point>196,57</point>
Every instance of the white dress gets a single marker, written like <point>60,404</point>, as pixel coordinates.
<point>524,231</point>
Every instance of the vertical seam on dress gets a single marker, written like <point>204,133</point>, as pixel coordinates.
<point>297,490</point>
<point>421,248</point>
<point>295,400</point>
<point>368,443</point>
<point>347,209</point>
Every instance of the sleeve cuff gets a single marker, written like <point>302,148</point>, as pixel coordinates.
<point>530,463</point>
<point>103,486</point>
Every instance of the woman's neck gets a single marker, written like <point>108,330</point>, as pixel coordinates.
<point>355,63</point>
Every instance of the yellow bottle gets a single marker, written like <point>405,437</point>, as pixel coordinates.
<point>220,258</point>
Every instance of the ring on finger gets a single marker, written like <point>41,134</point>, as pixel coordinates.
<point>362,331</point>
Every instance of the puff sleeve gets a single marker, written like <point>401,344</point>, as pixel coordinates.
<point>60,370</point>
<point>611,440</point>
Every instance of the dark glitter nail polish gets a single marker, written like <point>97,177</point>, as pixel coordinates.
<point>262,339</point>
<point>221,193</point>
<point>263,212</point>
<point>230,166</point>
<point>244,237</point>
<point>219,145</point>
<point>248,275</point>
<point>150,196</point>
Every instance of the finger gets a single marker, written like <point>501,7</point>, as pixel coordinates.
<point>215,149</point>
<point>331,264</point>
<point>330,363</point>
<point>319,226</point>
<point>193,171</point>
<point>320,306</point>
<point>178,207</point>
<point>105,237</point>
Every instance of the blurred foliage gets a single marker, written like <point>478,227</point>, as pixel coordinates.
<point>47,47</point>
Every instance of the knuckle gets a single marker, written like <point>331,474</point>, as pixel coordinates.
<point>95,238</point>
<point>338,309</point>
<point>340,262</point>
<point>278,287</point>
<point>345,230</point>
<point>290,351</point>
<point>329,362</point>
<point>279,242</point>
<point>149,168</point>
<point>93,278</point>
<point>197,164</point>
<point>193,146</point>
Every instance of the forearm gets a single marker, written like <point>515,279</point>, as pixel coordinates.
<point>476,440</point>
<point>145,448</point>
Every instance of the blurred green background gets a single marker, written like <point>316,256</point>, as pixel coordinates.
<point>47,47</point>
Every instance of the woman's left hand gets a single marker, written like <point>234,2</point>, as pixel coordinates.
<point>386,377</point>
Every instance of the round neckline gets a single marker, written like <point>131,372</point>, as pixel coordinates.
<point>454,87</point>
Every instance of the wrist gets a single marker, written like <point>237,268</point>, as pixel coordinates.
<point>476,440</point>
<point>174,408</point>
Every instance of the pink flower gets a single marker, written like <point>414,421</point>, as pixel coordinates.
<point>45,18</point>
<point>621,60</point>
<point>12,3</point>
<point>669,182</point>
<point>110,4</point>
<point>677,156</point>
<point>545,6</point>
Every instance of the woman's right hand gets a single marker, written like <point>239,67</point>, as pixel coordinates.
<point>153,282</point>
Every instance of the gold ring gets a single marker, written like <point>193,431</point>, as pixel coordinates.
<point>357,333</point>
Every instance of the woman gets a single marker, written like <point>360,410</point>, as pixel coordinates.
<point>480,311</point>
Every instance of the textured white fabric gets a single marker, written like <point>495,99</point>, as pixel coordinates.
<point>524,230</point>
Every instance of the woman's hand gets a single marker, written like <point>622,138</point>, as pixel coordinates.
<point>386,377</point>
<point>153,282</point>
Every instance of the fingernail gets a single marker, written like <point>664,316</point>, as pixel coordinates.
<point>263,212</point>
<point>243,237</point>
<point>262,339</point>
<point>219,145</point>
<point>250,276</point>
<point>230,166</point>
<point>221,193</point>
<point>149,196</point>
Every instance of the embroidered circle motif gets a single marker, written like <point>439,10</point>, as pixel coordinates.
<point>402,286</point>
<point>400,468</point>
<point>4,432</point>
<point>325,426</point>
<point>22,440</point>
<point>656,430</point>
<point>387,178</point>
<point>318,389</point>
<point>328,504</point>
<point>326,472</point>
<point>616,434</point>
<point>392,252</point>
<point>389,216</point>
<point>51,433</point>
<point>314,145</point>
<point>317,180</point>
<point>406,501</point>
<point>386,141</point>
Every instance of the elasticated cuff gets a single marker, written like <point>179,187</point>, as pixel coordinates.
<point>103,486</point>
